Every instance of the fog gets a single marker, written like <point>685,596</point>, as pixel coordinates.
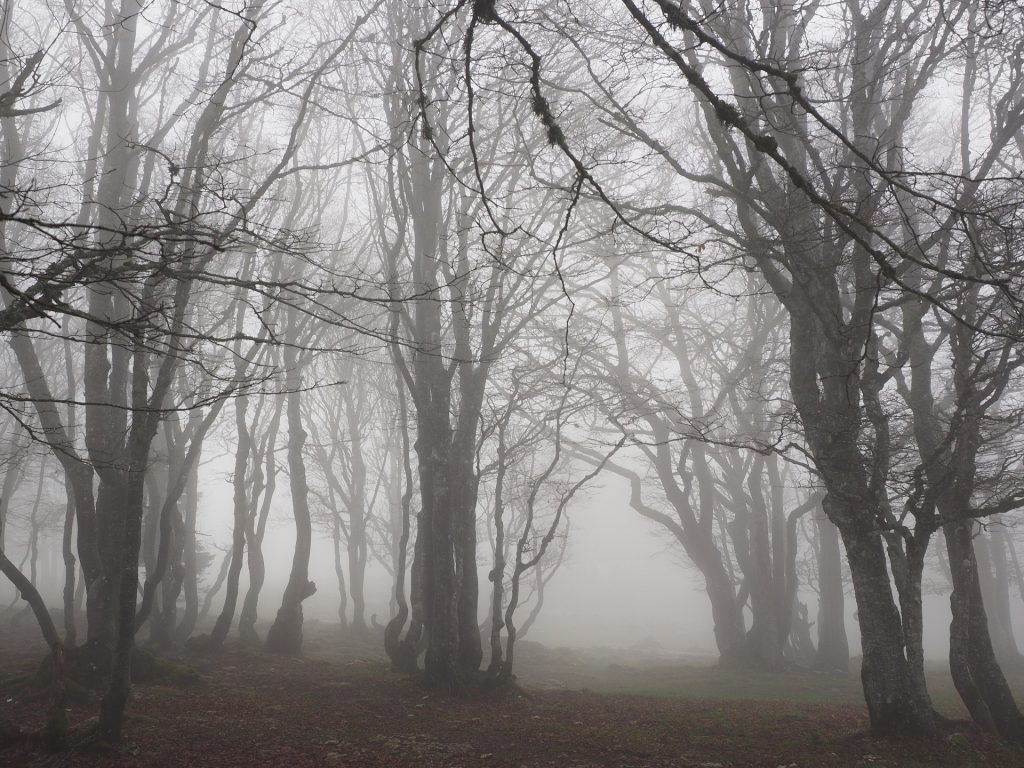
<point>475,351</point>
<point>623,587</point>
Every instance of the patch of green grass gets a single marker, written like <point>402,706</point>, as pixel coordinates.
<point>705,680</point>
<point>150,668</point>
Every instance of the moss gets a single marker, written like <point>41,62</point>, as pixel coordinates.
<point>88,667</point>
<point>147,667</point>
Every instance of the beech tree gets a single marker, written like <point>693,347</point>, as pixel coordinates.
<point>816,194</point>
<point>424,271</point>
<point>156,210</point>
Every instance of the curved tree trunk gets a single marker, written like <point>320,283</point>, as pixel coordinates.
<point>70,568</point>
<point>833,653</point>
<point>241,512</point>
<point>994,575</point>
<point>285,634</point>
<point>190,581</point>
<point>57,724</point>
<point>264,482</point>
<point>403,652</point>
<point>976,672</point>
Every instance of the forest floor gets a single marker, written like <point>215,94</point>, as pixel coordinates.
<point>340,705</point>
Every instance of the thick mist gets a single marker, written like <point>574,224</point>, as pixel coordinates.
<point>470,382</point>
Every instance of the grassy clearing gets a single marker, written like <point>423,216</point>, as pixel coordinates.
<point>341,705</point>
<point>699,679</point>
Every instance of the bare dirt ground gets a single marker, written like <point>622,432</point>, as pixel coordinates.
<point>340,705</point>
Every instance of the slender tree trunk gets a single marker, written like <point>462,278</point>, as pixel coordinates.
<point>218,583</point>
<point>795,636</point>
<point>994,574</point>
<point>906,560</point>
<point>470,643</point>
<point>339,572</point>
<point>190,556</point>
<point>356,543</point>
<point>241,510</point>
<point>285,634</point>
<point>70,569</point>
<point>763,647</point>
<point>264,482</point>
<point>833,653</point>
<point>57,724</point>
<point>67,543</point>
<point>404,652</point>
<point>976,672</point>
<point>152,540</point>
<point>497,574</point>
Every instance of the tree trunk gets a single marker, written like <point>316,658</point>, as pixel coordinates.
<point>994,574</point>
<point>70,568</point>
<point>357,516</point>
<point>404,652</point>
<point>440,589</point>
<point>471,652</point>
<point>256,526</point>
<point>763,641</point>
<point>241,511</point>
<point>895,707</point>
<point>112,708</point>
<point>57,724</point>
<point>285,634</point>
<point>972,660</point>
<point>833,646</point>
<point>339,572</point>
<point>190,583</point>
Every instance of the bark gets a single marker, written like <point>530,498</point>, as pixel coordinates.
<point>470,643</point>
<point>895,706</point>
<point>218,583</point>
<point>67,541</point>
<point>55,732</point>
<point>285,634</point>
<point>156,531</point>
<point>356,544</point>
<point>764,640</point>
<point>115,701</point>
<point>828,398</point>
<point>949,466</point>
<point>256,527</point>
<point>240,506</point>
<point>497,574</point>
<point>339,572</point>
<point>190,583</point>
<point>833,653</point>
<point>440,589</point>
<point>78,474</point>
<point>168,513</point>
<point>799,642</point>
<point>148,397</point>
<point>976,673</point>
<point>994,572</point>
<point>70,568</point>
<point>403,652</point>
